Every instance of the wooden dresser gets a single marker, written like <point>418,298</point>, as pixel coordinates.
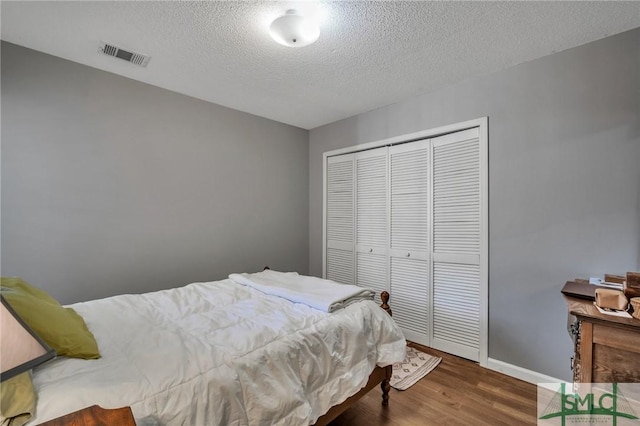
<point>607,348</point>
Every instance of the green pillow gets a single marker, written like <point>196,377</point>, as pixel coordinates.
<point>17,400</point>
<point>62,328</point>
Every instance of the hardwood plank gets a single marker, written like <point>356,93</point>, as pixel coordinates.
<point>457,392</point>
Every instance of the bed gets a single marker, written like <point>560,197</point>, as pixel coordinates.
<point>223,353</point>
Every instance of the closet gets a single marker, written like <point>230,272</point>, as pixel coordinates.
<point>410,217</point>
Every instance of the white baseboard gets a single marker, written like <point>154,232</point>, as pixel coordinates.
<point>520,373</point>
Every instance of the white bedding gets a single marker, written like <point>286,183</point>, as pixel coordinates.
<point>325,295</point>
<point>219,353</point>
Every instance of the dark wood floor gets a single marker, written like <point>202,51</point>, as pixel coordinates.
<point>457,392</point>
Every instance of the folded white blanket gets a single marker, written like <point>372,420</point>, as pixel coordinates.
<point>318,293</point>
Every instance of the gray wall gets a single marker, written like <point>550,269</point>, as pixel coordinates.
<point>564,183</point>
<point>112,186</point>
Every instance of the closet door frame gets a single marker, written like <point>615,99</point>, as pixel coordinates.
<point>483,127</point>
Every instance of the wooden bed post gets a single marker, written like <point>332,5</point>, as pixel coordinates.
<point>388,370</point>
<point>385,385</point>
<point>384,296</point>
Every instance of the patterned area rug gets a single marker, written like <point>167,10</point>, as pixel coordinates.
<point>415,366</point>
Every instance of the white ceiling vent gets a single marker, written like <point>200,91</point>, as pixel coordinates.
<point>134,58</point>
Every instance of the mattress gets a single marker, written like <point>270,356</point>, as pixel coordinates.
<point>219,353</point>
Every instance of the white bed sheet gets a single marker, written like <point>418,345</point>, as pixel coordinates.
<point>219,353</point>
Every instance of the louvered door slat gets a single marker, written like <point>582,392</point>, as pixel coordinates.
<point>340,200</point>
<point>409,184</point>
<point>371,198</point>
<point>340,266</point>
<point>340,262</point>
<point>410,297</point>
<point>371,272</point>
<point>456,189</point>
<point>456,305</point>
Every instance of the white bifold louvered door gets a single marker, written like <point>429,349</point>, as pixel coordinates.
<point>411,218</point>
<point>456,301</point>
<point>371,220</point>
<point>409,179</point>
<point>339,263</point>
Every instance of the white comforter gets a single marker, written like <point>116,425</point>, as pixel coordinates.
<point>219,353</point>
<point>325,295</point>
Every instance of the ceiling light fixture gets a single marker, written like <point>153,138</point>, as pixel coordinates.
<point>294,30</point>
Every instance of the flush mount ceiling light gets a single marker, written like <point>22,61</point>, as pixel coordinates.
<point>294,30</point>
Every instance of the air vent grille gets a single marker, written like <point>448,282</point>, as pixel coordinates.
<point>117,52</point>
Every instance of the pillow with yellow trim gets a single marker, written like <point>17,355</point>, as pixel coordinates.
<point>62,328</point>
<point>17,400</point>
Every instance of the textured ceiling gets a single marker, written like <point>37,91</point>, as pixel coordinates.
<point>369,54</point>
